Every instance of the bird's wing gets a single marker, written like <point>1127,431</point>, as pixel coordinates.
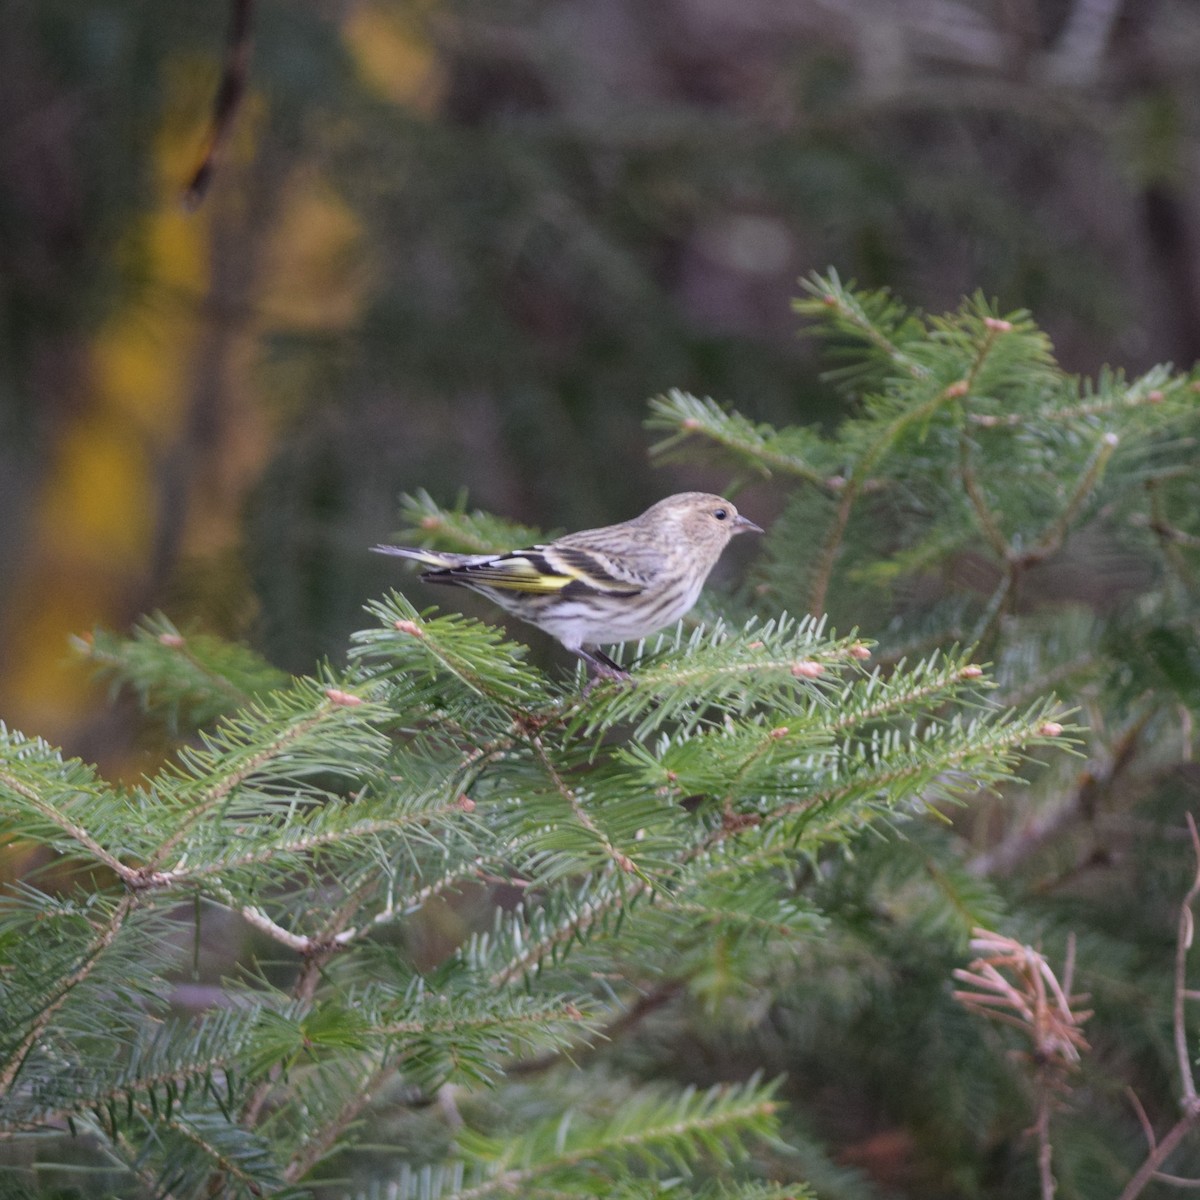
<point>599,571</point>
<point>431,558</point>
<point>540,570</point>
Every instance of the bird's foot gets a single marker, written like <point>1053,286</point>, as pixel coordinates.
<point>602,668</point>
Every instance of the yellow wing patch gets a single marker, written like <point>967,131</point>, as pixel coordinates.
<point>528,572</point>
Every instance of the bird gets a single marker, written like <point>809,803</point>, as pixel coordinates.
<point>614,584</point>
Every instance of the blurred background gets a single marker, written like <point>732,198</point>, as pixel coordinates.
<point>458,246</point>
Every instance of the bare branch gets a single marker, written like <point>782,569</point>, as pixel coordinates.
<point>228,102</point>
<point>1160,1151</point>
<point>1182,945</point>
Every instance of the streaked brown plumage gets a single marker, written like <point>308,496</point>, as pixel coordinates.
<point>614,584</point>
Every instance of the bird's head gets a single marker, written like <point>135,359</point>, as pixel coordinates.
<point>700,520</point>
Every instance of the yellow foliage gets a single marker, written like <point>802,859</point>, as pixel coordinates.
<point>313,277</point>
<point>393,60</point>
<point>186,338</point>
<point>97,507</point>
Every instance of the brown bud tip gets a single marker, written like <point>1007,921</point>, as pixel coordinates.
<point>573,1012</point>
<point>465,804</point>
<point>807,669</point>
<point>625,863</point>
<point>780,732</point>
<point>672,777</point>
<point>986,420</point>
<point>689,423</point>
<point>1156,396</point>
<point>410,627</point>
<point>829,301</point>
<point>1110,439</point>
<point>170,639</point>
<point>998,324</point>
<point>1050,729</point>
<point>859,651</point>
<point>835,483</point>
<point>432,521</point>
<point>961,388</point>
<point>345,699</point>
<point>754,645</point>
<point>970,672</point>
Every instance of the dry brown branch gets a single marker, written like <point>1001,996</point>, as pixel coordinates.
<point>1015,985</point>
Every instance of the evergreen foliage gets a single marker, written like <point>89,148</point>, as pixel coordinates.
<point>437,923</point>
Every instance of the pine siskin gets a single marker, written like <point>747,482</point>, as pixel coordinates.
<point>613,584</point>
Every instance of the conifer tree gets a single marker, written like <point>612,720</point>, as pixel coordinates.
<point>437,923</point>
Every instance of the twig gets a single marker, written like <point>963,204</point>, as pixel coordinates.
<point>317,1142</point>
<point>618,856</point>
<point>1056,532</point>
<point>1160,1151</point>
<point>229,100</point>
<point>854,485</point>
<point>1045,1157</point>
<point>627,1020</point>
<point>1142,1117</point>
<point>984,517</point>
<point>1183,944</point>
<point>1081,804</point>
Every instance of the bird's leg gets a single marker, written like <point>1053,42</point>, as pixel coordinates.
<point>607,666</point>
<point>600,666</point>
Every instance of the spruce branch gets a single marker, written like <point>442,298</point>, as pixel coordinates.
<point>189,680</point>
<point>655,1134</point>
<point>1055,534</point>
<point>62,804</point>
<point>283,737</point>
<point>619,858</point>
<point>319,1142</point>
<point>696,834</point>
<point>875,318</point>
<point>765,450</point>
<point>1172,540</point>
<point>921,686</point>
<point>344,827</point>
<point>880,441</point>
<point>1159,392</point>
<point>456,529</point>
<point>1081,803</point>
<point>398,905</point>
<point>58,991</point>
<point>164,1064</point>
<point>411,644</point>
<point>524,943</point>
<point>219,1149</point>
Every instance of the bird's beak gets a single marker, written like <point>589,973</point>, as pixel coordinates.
<point>745,525</point>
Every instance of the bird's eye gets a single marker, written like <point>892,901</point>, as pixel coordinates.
<point>721,514</point>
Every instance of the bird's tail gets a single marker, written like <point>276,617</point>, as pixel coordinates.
<point>431,558</point>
